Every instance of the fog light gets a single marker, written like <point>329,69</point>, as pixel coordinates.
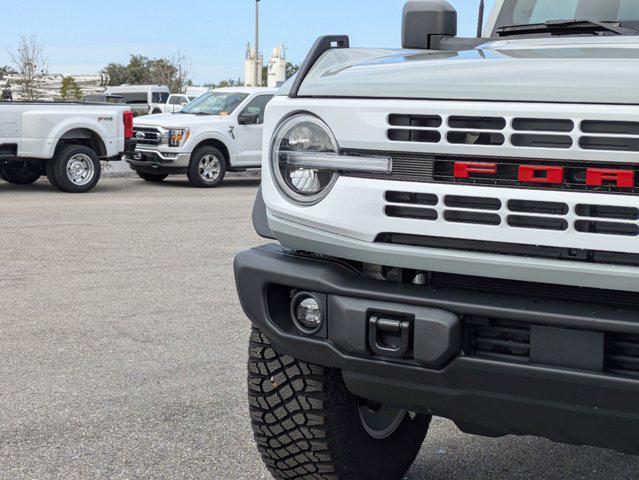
<point>307,313</point>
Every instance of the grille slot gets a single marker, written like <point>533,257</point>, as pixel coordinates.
<point>541,141</point>
<point>529,206</point>
<point>512,249</point>
<point>476,138</point>
<point>607,228</point>
<point>616,128</point>
<point>604,211</point>
<point>477,123</point>
<point>425,121</point>
<point>474,203</point>
<point>543,125</point>
<point>476,218</point>
<point>414,213</point>
<point>540,223</point>
<point>623,354</point>
<point>418,136</point>
<point>412,198</point>
<point>498,339</point>
<point>610,143</point>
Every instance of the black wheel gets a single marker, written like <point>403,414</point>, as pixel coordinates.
<point>23,175</point>
<point>152,177</point>
<point>207,168</point>
<point>308,426</point>
<point>157,111</point>
<point>74,169</point>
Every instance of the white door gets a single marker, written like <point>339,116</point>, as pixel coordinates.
<point>248,133</point>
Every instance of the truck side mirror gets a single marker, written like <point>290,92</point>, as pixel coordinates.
<point>426,22</point>
<point>248,118</point>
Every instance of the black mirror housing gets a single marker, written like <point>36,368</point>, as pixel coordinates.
<point>248,119</point>
<point>426,22</point>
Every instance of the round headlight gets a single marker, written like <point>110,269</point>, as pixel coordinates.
<point>302,134</point>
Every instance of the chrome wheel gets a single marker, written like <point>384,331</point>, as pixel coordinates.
<point>80,169</point>
<point>209,168</point>
<point>381,422</point>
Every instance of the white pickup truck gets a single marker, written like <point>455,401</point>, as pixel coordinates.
<point>220,131</point>
<point>63,141</point>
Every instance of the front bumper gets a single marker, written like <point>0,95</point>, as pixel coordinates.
<point>483,396</point>
<point>154,159</point>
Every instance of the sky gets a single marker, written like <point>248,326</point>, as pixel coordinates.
<point>82,36</point>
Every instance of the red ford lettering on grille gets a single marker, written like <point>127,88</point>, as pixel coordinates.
<point>466,169</point>
<point>550,175</point>
<point>597,177</point>
<point>541,174</point>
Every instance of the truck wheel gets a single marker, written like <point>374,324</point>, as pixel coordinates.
<point>152,177</point>
<point>74,169</point>
<point>207,168</point>
<point>309,426</point>
<point>23,175</point>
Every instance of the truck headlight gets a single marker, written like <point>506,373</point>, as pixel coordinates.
<point>302,135</point>
<point>177,136</point>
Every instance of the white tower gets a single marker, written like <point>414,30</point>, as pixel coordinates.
<point>253,68</point>
<point>277,67</point>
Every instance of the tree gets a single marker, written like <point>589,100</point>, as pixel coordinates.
<point>171,71</point>
<point>291,69</point>
<point>7,70</point>
<point>117,74</point>
<point>70,90</point>
<point>31,65</point>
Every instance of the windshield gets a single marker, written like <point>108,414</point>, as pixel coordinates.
<point>528,12</point>
<point>215,103</point>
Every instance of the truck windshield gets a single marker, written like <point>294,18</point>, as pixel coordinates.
<point>531,12</point>
<point>215,103</point>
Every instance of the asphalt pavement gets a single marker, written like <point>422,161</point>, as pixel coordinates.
<point>123,346</point>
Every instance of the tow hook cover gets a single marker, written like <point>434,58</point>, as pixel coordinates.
<point>437,335</point>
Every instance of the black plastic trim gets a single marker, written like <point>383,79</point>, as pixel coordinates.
<point>321,46</point>
<point>569,406</point>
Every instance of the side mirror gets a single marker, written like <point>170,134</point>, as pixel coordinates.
<point>426,22</point>
<point>248,118</point>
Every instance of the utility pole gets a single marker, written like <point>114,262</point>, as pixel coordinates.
<point>258,67</point>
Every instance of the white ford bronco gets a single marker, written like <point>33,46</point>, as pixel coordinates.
<point>64,141</point>
<point>458,228</point>
<point>220,131</point>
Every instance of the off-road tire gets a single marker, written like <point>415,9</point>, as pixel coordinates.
<point>193,173</point>
<point>21,176</point>
<point>57,169</point>
<point>307,425</point>
<point>152,177</point>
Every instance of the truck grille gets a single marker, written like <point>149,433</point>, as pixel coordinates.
<point>596,219</point>
<point>424,168</point>
<point>152,135</point>
<point>586,134</point>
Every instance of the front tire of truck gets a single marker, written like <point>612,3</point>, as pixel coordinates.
<point>74,169</point>
<point>207,168</point>
<point>308,425</point>
<point>24,175</point>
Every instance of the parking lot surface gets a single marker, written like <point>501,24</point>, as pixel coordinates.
<point>123,345</point>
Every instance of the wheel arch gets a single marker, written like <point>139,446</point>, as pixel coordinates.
<point>83,136</point>
<point>214,142</point>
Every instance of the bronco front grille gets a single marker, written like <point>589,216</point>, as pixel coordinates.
<point>600,219</point>
<point>586,134</point>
